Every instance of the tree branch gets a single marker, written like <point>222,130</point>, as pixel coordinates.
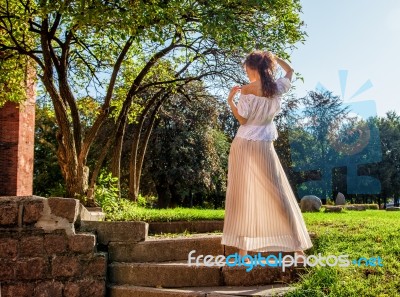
<point>90,136</point>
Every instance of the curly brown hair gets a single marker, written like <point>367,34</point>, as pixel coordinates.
<point>264,63</point>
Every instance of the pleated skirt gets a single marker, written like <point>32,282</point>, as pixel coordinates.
<point>261,210</point>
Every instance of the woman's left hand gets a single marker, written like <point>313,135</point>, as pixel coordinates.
<point>233,92</point>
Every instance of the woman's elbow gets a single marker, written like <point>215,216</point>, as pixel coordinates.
<point>242,121</point>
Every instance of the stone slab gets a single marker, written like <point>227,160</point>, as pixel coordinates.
<point>182,226</point>
<point>164,249</point>
<point>393,208</point>
<point>167,275</point>
<point>116,231</point>
<point>176,274</point>
<point>90,214</point>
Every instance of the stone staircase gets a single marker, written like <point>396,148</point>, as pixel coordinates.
<point>140,265</point>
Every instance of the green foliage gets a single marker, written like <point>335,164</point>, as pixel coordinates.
<point>13,65</point>
<point>146,201</point>
<point>107,196</point>
<point>102,27</point>
<point>387,170</point>
<point>12,79</point>
<point>58,190</point>
<point>89,109</point>
<point>106,192</point>
<point>47,177</point>
<point>188,153</point>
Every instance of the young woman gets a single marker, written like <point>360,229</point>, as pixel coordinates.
<point>261,210</point>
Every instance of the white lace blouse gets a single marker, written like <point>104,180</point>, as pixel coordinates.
<point>260,112</point>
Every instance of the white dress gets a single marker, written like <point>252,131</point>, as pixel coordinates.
<point>261,210</point>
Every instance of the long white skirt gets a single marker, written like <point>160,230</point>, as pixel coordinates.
<point>261,210</point>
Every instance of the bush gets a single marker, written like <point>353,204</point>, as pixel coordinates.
<point>146,201</point>
<point>106,192</point>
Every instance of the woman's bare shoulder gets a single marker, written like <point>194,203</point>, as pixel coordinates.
<point>244,89</point>
<point>251,88</point>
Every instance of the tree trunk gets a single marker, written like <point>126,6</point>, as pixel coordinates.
<point>139,147</point>
<point>175,196</point>
<point>163,193</point>
<point>117,153</point>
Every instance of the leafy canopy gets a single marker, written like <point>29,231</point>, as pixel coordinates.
<point>100,28</point>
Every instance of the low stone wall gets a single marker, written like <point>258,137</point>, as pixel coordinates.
<point>40,253</point>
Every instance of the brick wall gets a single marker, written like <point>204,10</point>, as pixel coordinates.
<point>17,124</point>
<point>40,253</point>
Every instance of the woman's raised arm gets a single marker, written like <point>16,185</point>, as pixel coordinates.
<point>288,69</point>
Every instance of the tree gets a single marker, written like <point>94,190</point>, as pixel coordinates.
<point>388,169</point>
<point>188,151</point>
<point>47,176</point>
<point>310,141</point>
<point>81,46</point>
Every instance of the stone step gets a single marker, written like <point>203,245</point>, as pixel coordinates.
<point>177,274</point>
<point>226,291</point>
<point>172,249</point>
<point>186,226</point>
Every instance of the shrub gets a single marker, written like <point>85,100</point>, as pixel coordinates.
<point>106,192</point>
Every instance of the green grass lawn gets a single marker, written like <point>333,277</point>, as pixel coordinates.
<point>128,211</point>
<point>369,233</point>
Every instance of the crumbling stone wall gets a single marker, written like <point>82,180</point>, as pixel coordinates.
<point>40,253</point>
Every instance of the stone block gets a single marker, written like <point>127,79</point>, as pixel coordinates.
<point>32,211</point>
<point>8,248</point>
<point>17,290</point>
<point>85,288</point>
<point>49,289</point>
<point>96,266</point>
<point>333,208</point>
<point>82,243</point>
<point>55,244</point>
<point>91,288</point>
<point>7,270</point>
<point>164,249</point>
<point>166,275</point>
<point>67,208</point>
<point>31,246</point>
<point>90,214</point>
<point>71,289</point>
<point>31,269</point>
<point>8,213</point>
<point>65,266</point>
<point>116,231</point>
